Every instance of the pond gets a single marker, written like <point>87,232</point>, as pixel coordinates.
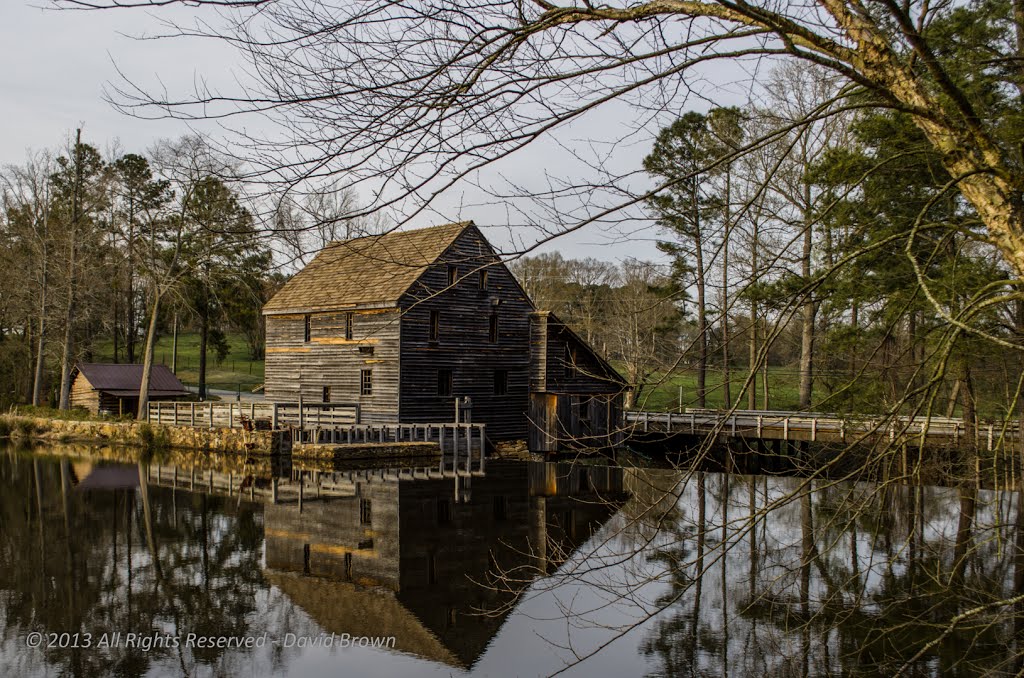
<point>518,569</point>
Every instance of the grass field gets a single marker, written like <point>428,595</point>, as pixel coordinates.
<point>236,371</point>
<point>663,393</point>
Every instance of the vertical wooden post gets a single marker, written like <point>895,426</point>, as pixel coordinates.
<point>483,436</point>
<point>211,415</point>
<point>231,415</point>
<point>300,412</point>
<point>231,483</point>
<point>301,487</point>
<point>273,416</point>
<point>158,411</point>
<point>192,415</point>
<point>785,428</point>
<point>273,491</point>
<point>814,430</point>
<point>252,414</point>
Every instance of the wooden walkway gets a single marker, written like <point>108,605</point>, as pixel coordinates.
<point>318,424</point>
<point>816,427</point>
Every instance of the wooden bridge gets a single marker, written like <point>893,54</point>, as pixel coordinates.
<point>818,427</point>
<point>319,424</point>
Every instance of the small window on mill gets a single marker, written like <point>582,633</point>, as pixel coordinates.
<point>305,328</point>
<point>435,326</point>
<point>366,382</point>
<point>327,394</point>
<point>500,382</point>
<point>444,383</point>
<point>453,275</point>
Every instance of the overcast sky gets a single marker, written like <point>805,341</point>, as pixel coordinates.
<point>57,65</point>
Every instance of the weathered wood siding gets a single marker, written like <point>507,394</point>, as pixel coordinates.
<point>84,395</point>
<point>297,367</point>
<point>572,401</point>
<point>463,344</point>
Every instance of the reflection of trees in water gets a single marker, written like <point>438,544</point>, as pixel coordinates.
<point>840,579</point>
<point>148,561</point>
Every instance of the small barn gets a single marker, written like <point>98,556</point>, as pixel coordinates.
<point>105,388</point>
<point>405,324</point>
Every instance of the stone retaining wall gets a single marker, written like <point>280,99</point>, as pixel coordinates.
<point>142,433</point>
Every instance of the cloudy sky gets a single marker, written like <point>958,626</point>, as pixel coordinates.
<point>58,65</point>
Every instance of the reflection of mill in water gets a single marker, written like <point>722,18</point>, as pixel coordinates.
<point>429,555</point>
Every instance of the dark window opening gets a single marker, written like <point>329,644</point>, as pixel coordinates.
<point>444,382</point>
<point>492,329</point>
<point>366,382</point>
<point>366,350</point>
<point>348,565</point>
<point>365,511</point>
<point>500,382</point>
<point>444,512</point>
<point>348,325</point>
<point>435,325</point>
<point>484,279</point>
<point>431,569</point>
<point>327,394</point>
<point>365,544</point>
<point>305,558</point>
<point>306,328</point>
<point>500,508</point>
<point>453,275</point>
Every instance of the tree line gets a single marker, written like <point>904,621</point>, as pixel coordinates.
<point>833,250</point>
<point>118,249</point>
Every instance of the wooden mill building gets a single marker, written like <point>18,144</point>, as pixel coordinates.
<point>114,388</point>
<point>405,323</point>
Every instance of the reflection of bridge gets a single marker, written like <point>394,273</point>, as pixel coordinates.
<point>816,427</point>
<point>290,485</point>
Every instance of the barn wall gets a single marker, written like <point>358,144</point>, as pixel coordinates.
<point>295,366</point>
<point>84,395</point>
<point>463,344</point>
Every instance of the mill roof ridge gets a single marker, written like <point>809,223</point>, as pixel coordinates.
<point>371,269</point>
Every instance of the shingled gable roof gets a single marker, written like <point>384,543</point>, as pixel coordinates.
<point>125,379</point>
<point>375,269</point>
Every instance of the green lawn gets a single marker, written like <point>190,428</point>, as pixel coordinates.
<point>235,371</point>
<point>663,392</point>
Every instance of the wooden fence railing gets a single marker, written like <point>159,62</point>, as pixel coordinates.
<point>264,415</point>
<point>812,426</point>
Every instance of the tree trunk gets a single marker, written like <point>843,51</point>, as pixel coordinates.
<point>807,328</point>
<point>702,326</point>
<point>147,358</point>
<point>37,381</point>
<point>174,345</point>
<point>726,377</point>
<point>69,312</point>
<point>752,361</point>
<point>204,333</point>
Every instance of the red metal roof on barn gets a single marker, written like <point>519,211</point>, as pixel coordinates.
<point>124,380</point>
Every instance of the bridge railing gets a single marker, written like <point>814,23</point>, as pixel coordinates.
<point>263,415</point>
<point>809,425</point>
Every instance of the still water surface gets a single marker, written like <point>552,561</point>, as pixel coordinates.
<point>524,569</point>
